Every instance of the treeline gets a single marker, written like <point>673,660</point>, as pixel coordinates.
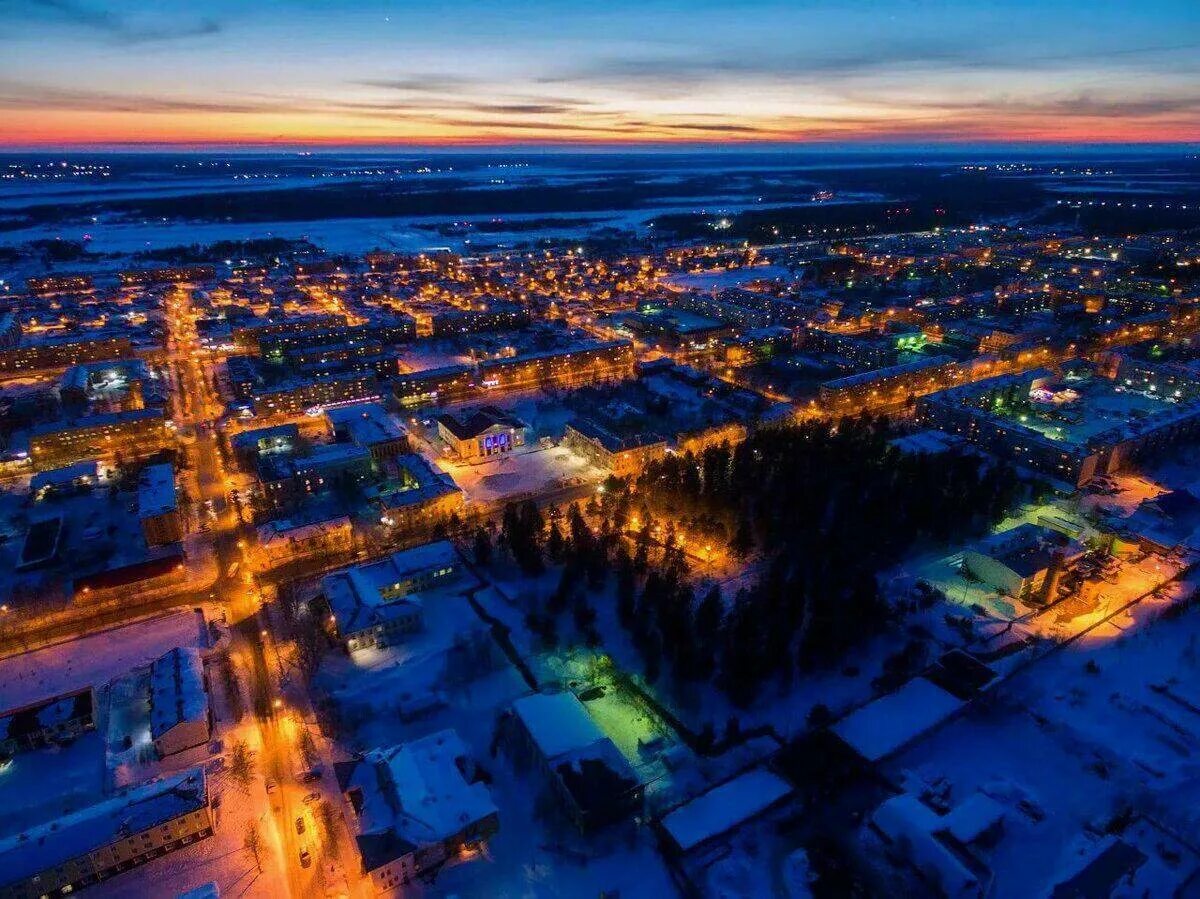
<point>821,509</point>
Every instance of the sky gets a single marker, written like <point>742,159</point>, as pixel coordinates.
<point>479,72</point>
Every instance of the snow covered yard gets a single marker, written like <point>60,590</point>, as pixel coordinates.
<point>521,475</point>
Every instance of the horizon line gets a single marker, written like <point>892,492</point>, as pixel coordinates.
<point>466,146</point>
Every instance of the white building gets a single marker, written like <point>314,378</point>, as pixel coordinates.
<point>179,712</point>
<point>593,782</point>
<point>376,603</point>
<point>416,804</point>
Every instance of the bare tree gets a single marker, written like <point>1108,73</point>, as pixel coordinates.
<point>241,766</point>
<point>253,842</point>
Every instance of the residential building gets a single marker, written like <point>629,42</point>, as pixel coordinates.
<point>416,805</point>
<point>101,841</point>
<point>158,506</point>
<point>180,717</point>
<point>378,603</point>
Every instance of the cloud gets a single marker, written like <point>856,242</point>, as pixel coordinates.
<point>421,84</point>
<point>669,74</point>
<point>103,21</point>
<point>15,95</point>
<point>459,105</point>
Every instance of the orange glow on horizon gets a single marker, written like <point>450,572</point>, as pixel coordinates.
<point>82,128</point>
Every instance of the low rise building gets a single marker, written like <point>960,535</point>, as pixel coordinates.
<point>416,805</point>
<point>1023,562</point>
<point>370,426</point>
<point>133,434</point>
<point>46,722</point>
<point>378,603</point>
<point>593,782</point>
<point>101,841</point>
<point>158,506</point>
<point>61,352</point>
<point>180,717</point>
<point>486,432</point>
<point>304,394</point>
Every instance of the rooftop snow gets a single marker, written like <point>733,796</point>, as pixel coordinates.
<point>177,690</point>
<point>558,723</point>
<point>156,490</point>
<point>881,727</point>
<point>78,833</point>
<point>725,807</point>
<point>417,792</point>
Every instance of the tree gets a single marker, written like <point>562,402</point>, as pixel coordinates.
<point>626,589</point>
<point>819,716</point>
<point>743,539</point>
<point>482,548</point>
<point>652,657</point>
<point>556,546</point>
<point>241,766</point>
<point>252,841</point>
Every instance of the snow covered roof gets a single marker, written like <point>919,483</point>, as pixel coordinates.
<point>57,477</point>
<point>905,819</point>
<point>138,809</point>
<point>364,595</point>
<point>177,690</point>
<point>156,490</point>
<point>973,817</point>
<point>724,807</point>
<point>366,424</point>
<point>558,723</point>
<point>885,725</point>
<point>414,794</point>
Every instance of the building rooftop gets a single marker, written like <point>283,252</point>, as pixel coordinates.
<point>132,811</point>
<point>723,808</point>
<point>558,723</point>
<point>156,490</point>
<point>366,594</point>
<point>886,724</point>
<point>412,795</point>
<point>177,690</point>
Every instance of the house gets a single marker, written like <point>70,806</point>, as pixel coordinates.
<point>416,804</point>
<point>180,717</point>
<point>1166,522</point>
<point>593,782</point>
<point>487,432</point>
<point>1018,562</point>
<point>376,603</point>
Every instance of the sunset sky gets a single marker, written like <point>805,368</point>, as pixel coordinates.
<point>651,71</point>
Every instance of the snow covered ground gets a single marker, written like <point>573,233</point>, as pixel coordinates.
<point>1105,727</point>
<point>518,476</point>
<point>95,659</point>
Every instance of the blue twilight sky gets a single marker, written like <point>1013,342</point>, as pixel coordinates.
<point>86,71</point>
